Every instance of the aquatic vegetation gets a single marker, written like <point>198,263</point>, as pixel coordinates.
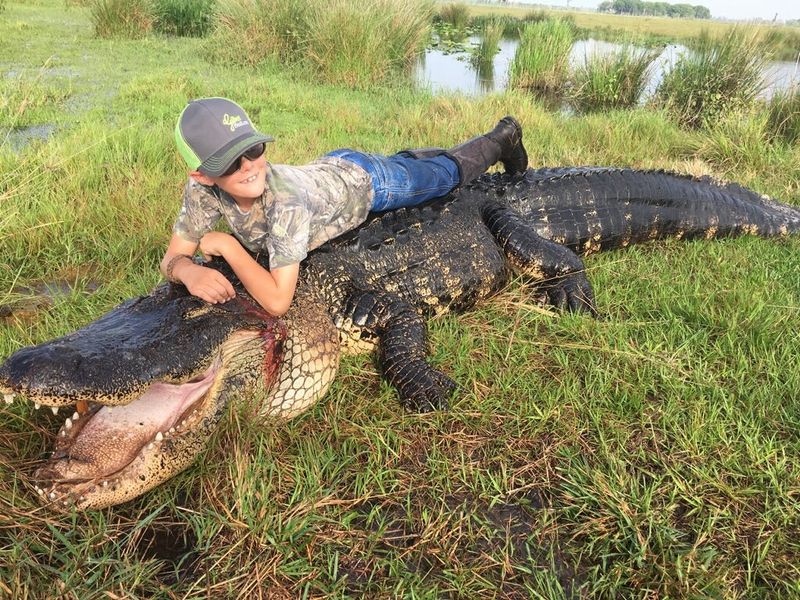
<point>456,14</point>
<point>488,47</point>
<point>720,75</point>
<point>783,120</point>
<point>542,59</point>
<point>614,80</point>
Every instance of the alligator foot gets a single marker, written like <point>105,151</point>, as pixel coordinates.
<point>557,270</point>
<point>571,292</point>
<point>423,388</point>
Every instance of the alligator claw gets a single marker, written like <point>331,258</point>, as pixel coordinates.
<point>571,292</point>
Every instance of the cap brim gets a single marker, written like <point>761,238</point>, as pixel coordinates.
<point>219,162</point>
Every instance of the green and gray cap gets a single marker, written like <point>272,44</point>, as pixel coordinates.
<point>213,132</point>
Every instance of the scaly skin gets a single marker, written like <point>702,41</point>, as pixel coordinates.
<point>371,287</point>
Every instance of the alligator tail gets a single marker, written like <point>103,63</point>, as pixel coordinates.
<point>596,208</point>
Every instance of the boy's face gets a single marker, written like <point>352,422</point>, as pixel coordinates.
<point>248,181</point>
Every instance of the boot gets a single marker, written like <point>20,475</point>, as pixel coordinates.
<point>503,143</point>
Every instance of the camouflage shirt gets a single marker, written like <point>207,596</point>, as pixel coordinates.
<point>301,208</point>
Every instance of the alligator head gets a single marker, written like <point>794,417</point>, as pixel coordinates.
<point>149,382</point>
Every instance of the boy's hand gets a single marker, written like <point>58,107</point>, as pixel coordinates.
<point>207,284</point>
<point>216,243</point>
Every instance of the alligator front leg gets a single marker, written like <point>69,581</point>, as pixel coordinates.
<point>311,359</point>
<point>402,349</point>
<point>558,271</point>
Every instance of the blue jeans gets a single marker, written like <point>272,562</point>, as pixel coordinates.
<point>399,180</point>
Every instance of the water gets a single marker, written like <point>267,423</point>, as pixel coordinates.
<point>446,73</point>
<point>19,137</point>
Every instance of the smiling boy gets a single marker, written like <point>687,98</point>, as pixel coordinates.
<point>288,211</point>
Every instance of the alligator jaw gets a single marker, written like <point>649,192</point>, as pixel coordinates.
<point>111,455</point>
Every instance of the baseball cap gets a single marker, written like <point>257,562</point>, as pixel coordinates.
<point>213,132</point>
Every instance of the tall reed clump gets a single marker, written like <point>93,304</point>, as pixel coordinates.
<point>783,115</point>
<point>716,77</point>
<point>192,18</point>
<point>456,14</point>
<point>340,41</point>
<point>783,42</point>
<point>361,44</point>
<point>612,81</point>
<point>541,62</point>
<point>121,18</point>
<point>490,43</point>
<point>513,25</point>
<point>248,32</point>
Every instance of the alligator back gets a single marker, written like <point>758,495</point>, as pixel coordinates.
<point>441,257</point>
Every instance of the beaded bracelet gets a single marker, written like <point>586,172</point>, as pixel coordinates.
<point>171,265</point>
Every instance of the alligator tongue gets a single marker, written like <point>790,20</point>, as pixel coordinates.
<point>112,438</point>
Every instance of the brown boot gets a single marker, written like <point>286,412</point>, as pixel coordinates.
<point>503,143</point>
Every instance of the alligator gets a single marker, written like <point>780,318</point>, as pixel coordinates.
<point>150,381</point>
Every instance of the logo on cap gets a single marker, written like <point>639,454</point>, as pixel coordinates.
<point>234,121</point>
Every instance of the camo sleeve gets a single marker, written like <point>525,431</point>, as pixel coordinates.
<point>199,212</point>
<point>290,230</point>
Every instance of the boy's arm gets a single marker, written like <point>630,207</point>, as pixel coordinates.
<point>207,284</point>
<point>273,290</point>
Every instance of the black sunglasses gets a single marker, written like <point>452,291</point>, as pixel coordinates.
<point>251,153</point>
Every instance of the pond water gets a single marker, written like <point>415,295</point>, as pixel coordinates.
<point>18,138</point>
<point>442,73</point>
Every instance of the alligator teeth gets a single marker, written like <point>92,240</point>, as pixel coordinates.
<point>150,446</point>
<point>37,406</point>
<point>54,409</point>
<point>159,436</point>
<point>63,433</point>
<point>172,430</point>
<point>9,398</point>
<point>68,424</point>
<point>104,484</point>
<point>76,416</point>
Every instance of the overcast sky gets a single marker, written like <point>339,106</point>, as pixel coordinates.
<point>732,9</point>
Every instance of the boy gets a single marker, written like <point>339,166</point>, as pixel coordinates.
<point>288,211</point>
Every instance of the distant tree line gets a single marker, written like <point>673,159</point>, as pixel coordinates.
<point>660,9</point>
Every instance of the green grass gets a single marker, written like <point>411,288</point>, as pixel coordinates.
<point>651,453</point>
<point>541,61</point>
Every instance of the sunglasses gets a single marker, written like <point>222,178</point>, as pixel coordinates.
<point>250,154</point>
